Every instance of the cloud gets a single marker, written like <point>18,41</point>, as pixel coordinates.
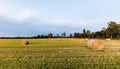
<point>17,15</point>
<point>77,24</point>
<point>65,22</point>
<point>4,10</point>
<point>24,15</point>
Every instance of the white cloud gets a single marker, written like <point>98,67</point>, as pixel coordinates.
<point>16,15</point>
<point>4,10</point>
<point>66,22</point>
<point>24,15</point>
<point>91,24</point>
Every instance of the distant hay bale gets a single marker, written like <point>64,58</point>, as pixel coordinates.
<point>108,40</point>
<point>95,45</point>
<point>87,39</point>
<point>25,42</point>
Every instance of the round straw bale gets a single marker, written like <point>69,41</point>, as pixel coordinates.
<point>108,40</point>
<point>95,45</point>
<point>87,39</point>
<point>25,42</point>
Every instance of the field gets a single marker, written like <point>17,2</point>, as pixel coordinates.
<point>59,53</point>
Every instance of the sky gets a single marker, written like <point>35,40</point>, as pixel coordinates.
<point>34,17</point>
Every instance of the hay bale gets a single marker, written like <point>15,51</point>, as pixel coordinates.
<point>108,40</point>
<point>25,42</point>
<point>95,45</point>
<point>87,39</point>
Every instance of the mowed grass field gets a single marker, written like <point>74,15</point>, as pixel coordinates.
<point>58,53</point>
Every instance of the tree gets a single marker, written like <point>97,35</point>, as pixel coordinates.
<point>76,35</point>
<point>63,34</point>
<point>42,36</point>
<point>112,29</point>
<point>98,34</point>
<point>70,35</point>
<point>88,33</point>
<point>50,35</point>
<point>57,35</point>
<point>84,33</point>
<point>93,34</point>
<point>38,36</point>
<point>118,31</point>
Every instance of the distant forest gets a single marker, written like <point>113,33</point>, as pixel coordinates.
<point>112,31</point>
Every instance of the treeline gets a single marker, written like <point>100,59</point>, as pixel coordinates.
<point>112,31</point>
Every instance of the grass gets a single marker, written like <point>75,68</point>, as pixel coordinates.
<point>57,54</point>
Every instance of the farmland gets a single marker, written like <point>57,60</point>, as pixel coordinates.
<point>58,53</point>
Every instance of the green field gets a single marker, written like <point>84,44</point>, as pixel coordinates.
<point>58,54</point>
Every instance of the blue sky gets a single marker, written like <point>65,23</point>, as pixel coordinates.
<point>33,17</point>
